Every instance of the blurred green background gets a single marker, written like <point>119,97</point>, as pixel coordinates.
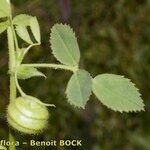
<point>114,37</point>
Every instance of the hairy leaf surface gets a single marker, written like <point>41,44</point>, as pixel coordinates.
<point>64,45</point>
<point>79,88</point>
<point>22,19</point>
<point>35,28</point>
<point>4,8</point>
<point>3,26</point>
<point>28,72</point>
<point>23,33</point>
<point>117,93</point>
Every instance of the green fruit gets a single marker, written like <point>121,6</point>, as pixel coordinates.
<point>27,115</point>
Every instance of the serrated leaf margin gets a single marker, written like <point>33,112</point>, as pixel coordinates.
<point>70,102</point>
<point>119,110</point>
<point>51,45</point>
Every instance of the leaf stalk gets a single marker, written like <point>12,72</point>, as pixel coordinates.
<point>53,66</point>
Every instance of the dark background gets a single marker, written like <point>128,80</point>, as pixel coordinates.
<point>114,37</point>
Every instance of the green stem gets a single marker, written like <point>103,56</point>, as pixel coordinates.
<point>11,47</point>
<point>18,86</point>
<point>12,94</point>
<point>11,139</point>
<point>15,37</point>
<point>53,66</point>
<point>11,64</point>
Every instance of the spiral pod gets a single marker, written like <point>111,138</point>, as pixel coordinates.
<point>27,115</point>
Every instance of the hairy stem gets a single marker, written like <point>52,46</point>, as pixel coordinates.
<point>15,37</point>
<point>11,139</point>
<point>11,49</point>
<point>53,66</point>
<point>18,86</point>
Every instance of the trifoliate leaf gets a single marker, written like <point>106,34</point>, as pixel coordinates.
<point>35,28</point>
<point>117,93</point>
<point>79,88</point>
<point>23,33</point>
<point>28,72</point>
<point>4,8</point>
<point>64,45</point>
<point>22,19</point>
<point>3,26</point>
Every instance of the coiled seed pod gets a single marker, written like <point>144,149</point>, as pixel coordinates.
<point>27,115</point>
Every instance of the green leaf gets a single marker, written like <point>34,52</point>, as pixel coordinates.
<point>35,28</point>
<point>79,88</point>
<point>117,93</point>
<point>23,33</point>
<point>64,45</point>
<point>28,72</point>
<point>3,26</point>
<point>22,19</point>
<point>4,8</point>
<point>20,54</point>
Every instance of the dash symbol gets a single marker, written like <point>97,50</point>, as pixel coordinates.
<point>24,143</point>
